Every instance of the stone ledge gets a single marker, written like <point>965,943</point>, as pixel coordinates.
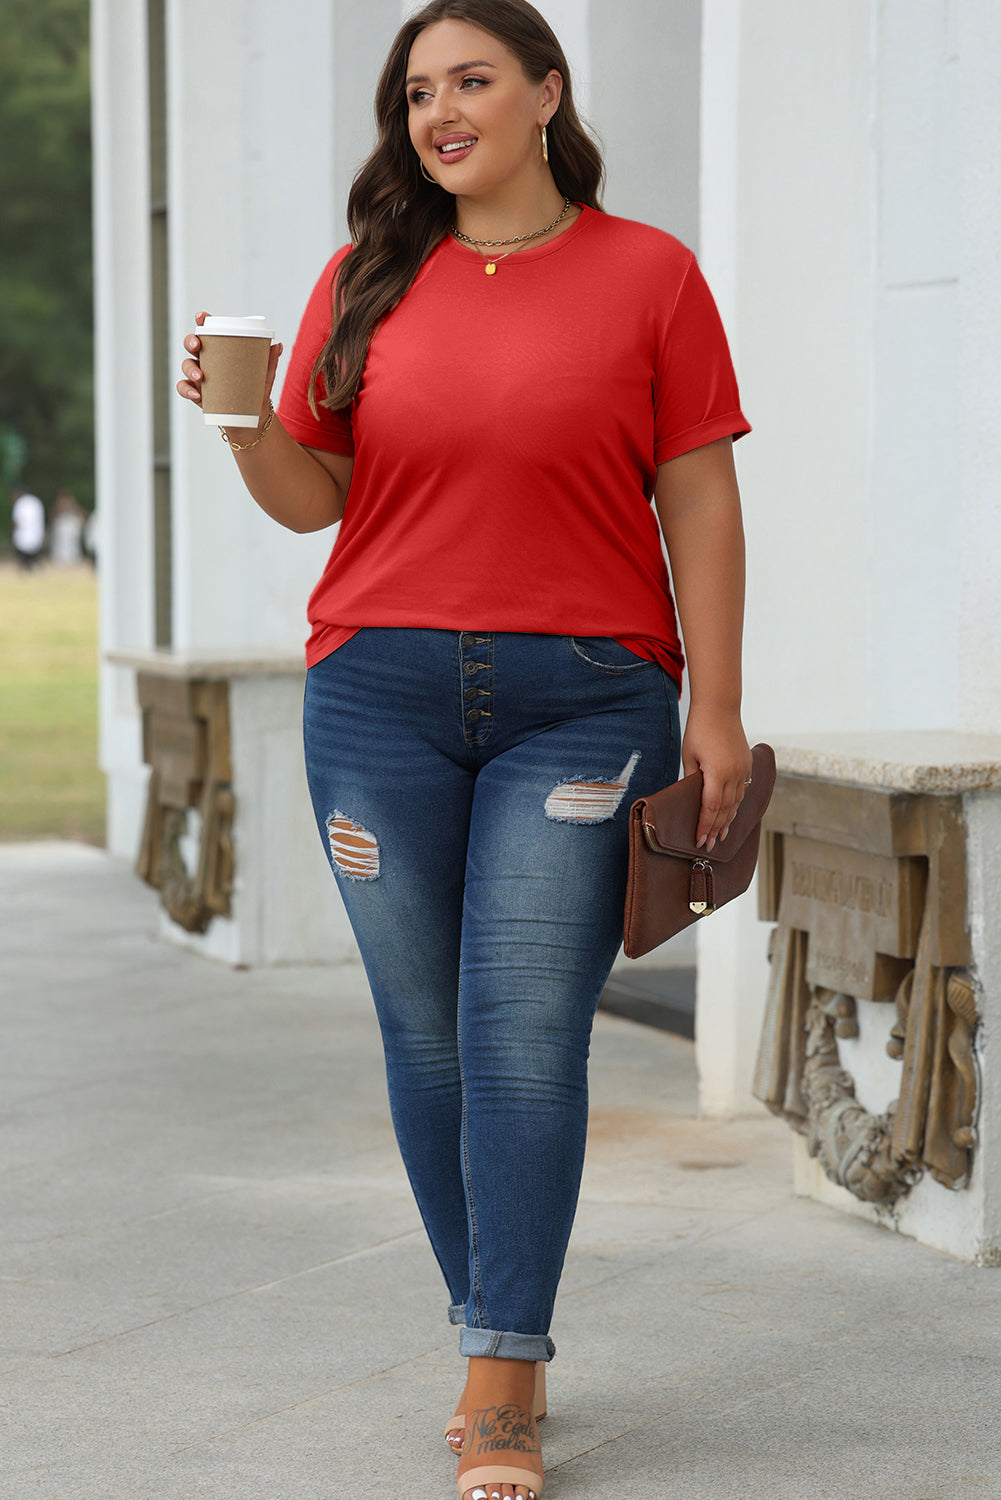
<point>932,760</point>
<point>211,665</point>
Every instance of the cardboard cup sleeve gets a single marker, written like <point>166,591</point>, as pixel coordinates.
<point>234,374</point>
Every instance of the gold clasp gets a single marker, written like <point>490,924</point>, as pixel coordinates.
<point>702,893</point>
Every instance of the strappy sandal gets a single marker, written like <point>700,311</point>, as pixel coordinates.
<point>454,1428</point>
<point>488,1478</point>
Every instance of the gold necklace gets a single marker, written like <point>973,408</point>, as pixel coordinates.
<point>518,239</point>
<point>491,265</point>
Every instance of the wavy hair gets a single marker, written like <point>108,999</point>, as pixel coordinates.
<point>396,217</point>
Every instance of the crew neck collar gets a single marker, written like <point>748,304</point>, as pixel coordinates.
<point>452,246</point>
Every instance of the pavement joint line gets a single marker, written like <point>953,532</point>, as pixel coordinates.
<point>340,1181</point>
<point>672,1249</point>
<point>247,1291</point>
<point>280,1411</point>
<point>695,1402</point>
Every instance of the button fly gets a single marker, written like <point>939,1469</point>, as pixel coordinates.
<point>476,660</point>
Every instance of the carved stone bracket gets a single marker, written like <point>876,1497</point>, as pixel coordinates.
<point>854,1147</point>
<point>186,741</point>
<point>869,892</point>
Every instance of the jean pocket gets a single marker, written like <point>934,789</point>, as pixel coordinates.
<point>604,654</point>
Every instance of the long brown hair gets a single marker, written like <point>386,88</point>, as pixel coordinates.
<point>396,217</point>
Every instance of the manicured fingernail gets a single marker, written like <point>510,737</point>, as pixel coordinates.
<point>710,846</point>
<point>723,835</point>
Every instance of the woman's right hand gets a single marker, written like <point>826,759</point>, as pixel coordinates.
<point>190,386</point>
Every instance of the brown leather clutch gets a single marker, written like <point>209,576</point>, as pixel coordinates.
<point>671,883</point>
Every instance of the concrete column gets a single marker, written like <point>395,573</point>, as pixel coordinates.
<point>252,221</point>
<point>915,539</point>
<point>123,421</point>
<point>645,106</point>
<point>787,195</point>
<point>977,517</point>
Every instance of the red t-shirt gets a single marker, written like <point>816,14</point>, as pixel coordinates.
<point>506,437</point>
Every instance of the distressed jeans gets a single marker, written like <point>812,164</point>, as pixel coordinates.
<point>472,791</point>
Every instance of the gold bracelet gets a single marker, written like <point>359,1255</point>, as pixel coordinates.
<point>243,447</point>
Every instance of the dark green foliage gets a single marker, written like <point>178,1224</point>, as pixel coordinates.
<point>46,335</point>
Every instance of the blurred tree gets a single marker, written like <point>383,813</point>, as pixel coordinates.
<point>46,378</point>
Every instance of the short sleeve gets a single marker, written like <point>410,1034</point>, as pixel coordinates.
<point>696,399</point>
<point>331,430</point>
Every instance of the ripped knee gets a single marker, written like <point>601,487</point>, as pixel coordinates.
<point>353,849</point>
<point>590,801</point>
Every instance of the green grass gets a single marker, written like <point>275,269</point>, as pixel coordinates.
<point>50,786</point>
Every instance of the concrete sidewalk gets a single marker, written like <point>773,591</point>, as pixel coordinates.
<point>215,1282</point>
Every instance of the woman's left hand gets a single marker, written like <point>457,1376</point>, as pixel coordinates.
<point>716,745</point>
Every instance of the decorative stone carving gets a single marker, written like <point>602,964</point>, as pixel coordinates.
<point>868,888</point>
<point>853,1146</point>
<point>186,742</point>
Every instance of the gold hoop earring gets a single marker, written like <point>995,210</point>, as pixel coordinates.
<point>545,145</point>
<point>425,172</point>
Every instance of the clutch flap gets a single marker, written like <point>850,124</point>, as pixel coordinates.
<point>670,817</point>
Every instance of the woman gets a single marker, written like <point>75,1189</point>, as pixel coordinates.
<point>489,388</point>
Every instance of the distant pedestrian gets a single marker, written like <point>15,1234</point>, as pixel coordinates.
<point>28,518</point>
<point>66,542</point>
<point>91,537</point>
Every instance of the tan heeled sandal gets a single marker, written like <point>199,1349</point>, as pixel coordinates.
<point>484,1482</point>
<point>454,1428</point>
<point>488,1479</point>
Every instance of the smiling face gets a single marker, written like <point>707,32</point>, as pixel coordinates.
<point>473,113</point>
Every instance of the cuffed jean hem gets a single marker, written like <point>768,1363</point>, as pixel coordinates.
<point>457,1314</point>
<point>480,1343</point>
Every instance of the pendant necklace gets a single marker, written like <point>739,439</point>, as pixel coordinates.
<point>518,239</point>
<point>491,266</point>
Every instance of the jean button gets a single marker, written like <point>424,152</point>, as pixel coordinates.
<point>472,667</point>
<point>473,715</point>
<point>467,640</point>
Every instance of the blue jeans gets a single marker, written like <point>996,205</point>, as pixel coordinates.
<point>472,791</point>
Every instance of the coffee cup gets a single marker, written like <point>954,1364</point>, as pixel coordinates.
<point>234,364</point>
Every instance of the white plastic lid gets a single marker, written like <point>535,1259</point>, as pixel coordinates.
<point>237,327</point>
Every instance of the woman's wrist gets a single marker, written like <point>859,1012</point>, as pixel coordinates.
<point>720,708</point>
<point>240,439</point>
